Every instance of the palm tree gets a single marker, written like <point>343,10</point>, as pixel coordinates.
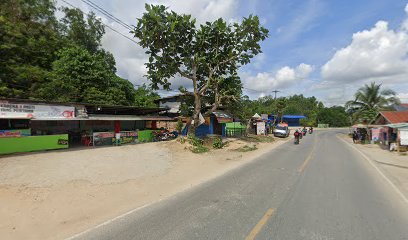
<point>369,100</point>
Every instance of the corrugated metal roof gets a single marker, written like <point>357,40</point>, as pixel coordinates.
<point>395,116</point>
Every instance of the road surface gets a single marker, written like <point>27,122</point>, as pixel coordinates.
<point>321,189</point>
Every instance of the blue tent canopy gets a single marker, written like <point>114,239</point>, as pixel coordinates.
<point>292,120</point>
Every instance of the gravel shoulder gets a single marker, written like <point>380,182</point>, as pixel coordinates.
<point>53,195</point>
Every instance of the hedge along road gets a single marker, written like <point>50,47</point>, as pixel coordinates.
<point>320,189</point>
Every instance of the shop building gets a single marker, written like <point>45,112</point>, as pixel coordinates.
<point>38,125</point>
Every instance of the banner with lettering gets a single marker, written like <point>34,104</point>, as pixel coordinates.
<point>35,111</point>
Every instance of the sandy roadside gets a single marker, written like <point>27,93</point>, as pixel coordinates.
<point>392,164</point>
<point>54,195</point>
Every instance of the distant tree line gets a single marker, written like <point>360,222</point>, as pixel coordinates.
<point>314,110</point>
<point>42,57</point>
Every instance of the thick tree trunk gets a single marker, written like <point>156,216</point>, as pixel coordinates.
<point>216,103</point>
<point>196,115</point>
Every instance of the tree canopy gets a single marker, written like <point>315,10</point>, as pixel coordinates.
<point>207,55</point>
<point>369,100</point>
<point>44,58</point>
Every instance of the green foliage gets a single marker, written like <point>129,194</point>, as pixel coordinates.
<point>197,144</point>
<point>86,33</point>
<point>207,55</point>
<point>179,125</point>
<point>182,140</point>
<point>28,42</point>
<point>335,116</point>
<point>43,58</point>
<point>81,76</point>
<point>217,143</point>
<point>369,100</point>
<point>199,149</point>
<point>195,141</point>
<point>145,97</point>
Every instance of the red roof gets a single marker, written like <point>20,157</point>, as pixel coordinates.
<point>404,104</point>
<point>395,117</point>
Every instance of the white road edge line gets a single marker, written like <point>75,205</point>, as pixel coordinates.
<point>112,220</point>
<point>404,198</point>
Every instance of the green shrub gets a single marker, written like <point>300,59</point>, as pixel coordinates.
<point>199,149</point>
<point>217,143</point>
<point>195,141</point>
<point>179,125</point>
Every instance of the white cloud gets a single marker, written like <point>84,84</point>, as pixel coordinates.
<point>283,78</point>
<point>379,54</point>
<point>129,56</point>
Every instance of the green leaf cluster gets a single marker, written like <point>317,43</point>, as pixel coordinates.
<point>44,58</point>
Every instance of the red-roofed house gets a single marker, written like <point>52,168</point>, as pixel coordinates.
<point>388,117</point>
<point>387,134</point>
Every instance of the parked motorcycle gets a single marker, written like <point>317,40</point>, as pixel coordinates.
<point>163,135</point>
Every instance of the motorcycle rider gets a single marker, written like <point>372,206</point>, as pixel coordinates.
<point>310,129</point>
<point>297,136</point>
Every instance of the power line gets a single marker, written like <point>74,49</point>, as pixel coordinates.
<point>111,28</point>
<point>107,14</point>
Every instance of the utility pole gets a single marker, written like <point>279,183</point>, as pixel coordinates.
<point>275,91</point>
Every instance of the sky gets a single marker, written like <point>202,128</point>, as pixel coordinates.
<point>322,48</point>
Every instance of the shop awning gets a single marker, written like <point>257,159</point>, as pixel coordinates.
<point>398,125</point>
<point>114,117</point>
<point>158,118</point>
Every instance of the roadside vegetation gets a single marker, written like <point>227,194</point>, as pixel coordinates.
<point>61,59</point>
<point>369,100</point>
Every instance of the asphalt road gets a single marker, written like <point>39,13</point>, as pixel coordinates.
<point>319,190</point>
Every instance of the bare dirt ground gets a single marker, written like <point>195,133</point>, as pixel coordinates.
<point>53,195</point>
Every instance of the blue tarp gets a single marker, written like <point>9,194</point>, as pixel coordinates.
<point>291,120</point>
<point>289,116</point>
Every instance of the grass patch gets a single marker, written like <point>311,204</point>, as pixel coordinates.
<point>199,149</point>
<point>246,148</point>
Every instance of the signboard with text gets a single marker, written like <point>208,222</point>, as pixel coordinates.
<point>15,133</point>
<point>23,110</point>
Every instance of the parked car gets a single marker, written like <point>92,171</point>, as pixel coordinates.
<point>281,130</point>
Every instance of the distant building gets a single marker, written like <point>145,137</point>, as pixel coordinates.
<point>291,120</point>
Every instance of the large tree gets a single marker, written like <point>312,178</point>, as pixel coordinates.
<point>81,76</point>
<point>205,55</point>
<point>85,31</point>
<point>369,100</point>
<point>28,44</point>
